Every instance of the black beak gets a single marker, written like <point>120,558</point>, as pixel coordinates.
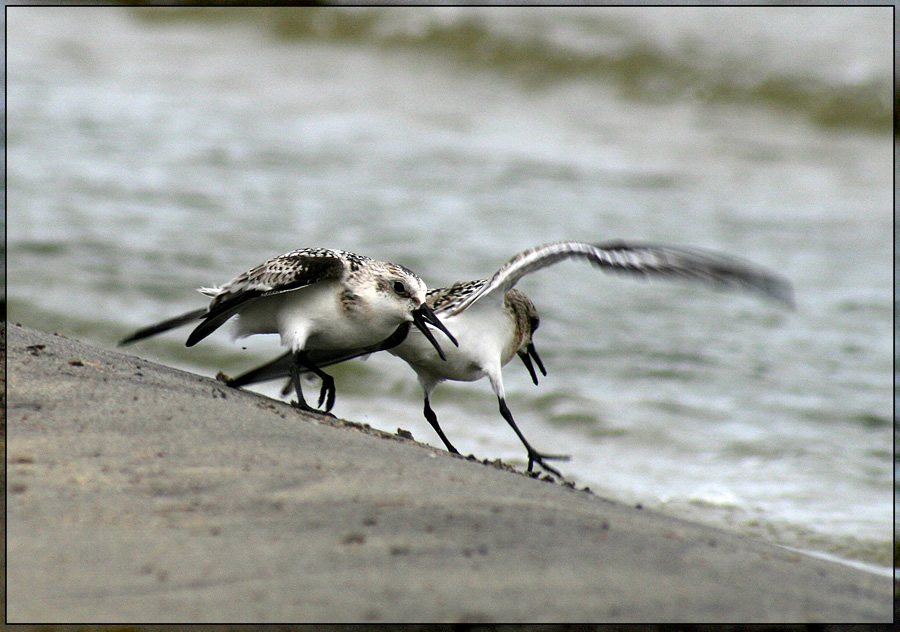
<point>424,314</point>
<point>529,353</point>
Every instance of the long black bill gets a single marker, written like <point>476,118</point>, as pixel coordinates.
<point>424,314</point>
<point>529,353</point>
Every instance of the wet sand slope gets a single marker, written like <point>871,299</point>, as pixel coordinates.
<point>137,492</point>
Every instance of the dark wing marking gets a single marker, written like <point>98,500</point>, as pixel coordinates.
<point>444,299</point>
<point>287,272</point>
<point>277,368</point>
<point>281,366</point>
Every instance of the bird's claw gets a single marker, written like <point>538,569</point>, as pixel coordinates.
<point>537,457</point>
<point>327,394</point>
<point>309,409</point>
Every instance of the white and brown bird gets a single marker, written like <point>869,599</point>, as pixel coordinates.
<point>317,300</point>
<point>494,322</point>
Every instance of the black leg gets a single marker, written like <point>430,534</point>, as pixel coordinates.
<point>432,419</point>
<point>533,455</point>
<point>327,393</point>
<point>295,379</point>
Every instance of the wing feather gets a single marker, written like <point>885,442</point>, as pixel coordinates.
<point>644,259</point>
<point>281,366</point>
<point>284,273</point>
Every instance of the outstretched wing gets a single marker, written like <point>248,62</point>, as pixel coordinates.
<point>290,271</point>
<point>644,259</point>
<point>281,366</point>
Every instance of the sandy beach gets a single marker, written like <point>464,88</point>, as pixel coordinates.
<point>141,493</point>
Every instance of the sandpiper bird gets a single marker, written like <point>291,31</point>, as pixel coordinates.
<point>318,300</point>
<point>493,322</point>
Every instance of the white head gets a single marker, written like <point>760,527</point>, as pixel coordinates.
<point>393,291</point>
<point>383,291</point>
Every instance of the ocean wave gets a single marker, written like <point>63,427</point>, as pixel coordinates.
<point>829,66</point>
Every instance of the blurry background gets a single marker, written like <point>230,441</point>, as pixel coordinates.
<point>153,151</point>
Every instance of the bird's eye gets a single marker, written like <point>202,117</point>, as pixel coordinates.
<point>400,288</point>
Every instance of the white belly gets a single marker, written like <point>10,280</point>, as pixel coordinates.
<point>315,318</point>
<point>484,337</point>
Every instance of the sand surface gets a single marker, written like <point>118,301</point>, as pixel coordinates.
<point>137,492</point>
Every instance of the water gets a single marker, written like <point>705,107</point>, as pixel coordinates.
<point>154,151</point>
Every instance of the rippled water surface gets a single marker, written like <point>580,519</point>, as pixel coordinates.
<point>151,152</point>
